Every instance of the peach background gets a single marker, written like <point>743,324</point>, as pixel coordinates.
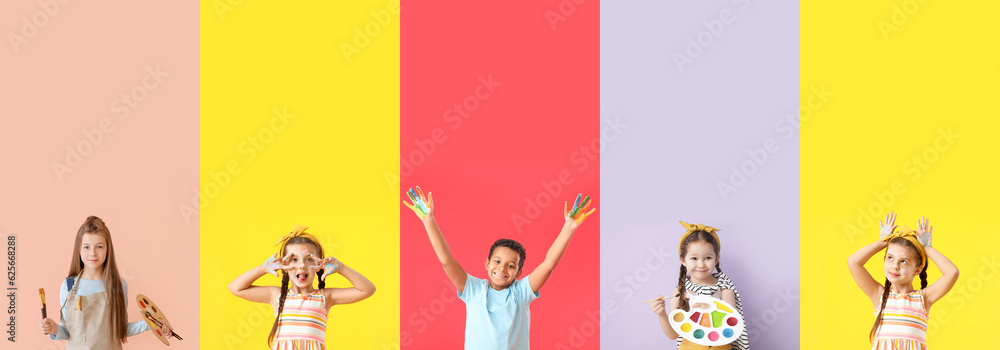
<point>66,79</point>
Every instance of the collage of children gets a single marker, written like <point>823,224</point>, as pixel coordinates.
<point>559,174</point>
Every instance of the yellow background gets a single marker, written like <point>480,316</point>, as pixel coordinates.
<point>325,169</point>
<point>938,71</point>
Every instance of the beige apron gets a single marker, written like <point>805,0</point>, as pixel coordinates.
<point>88,327</point>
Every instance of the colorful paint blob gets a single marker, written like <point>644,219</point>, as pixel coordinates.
<point>686,327</point>
<point>728,333</point>
<point>713,336</point>
<point>694,317</point>
<point>679,317</point>
<point>717,319</point>
<point>698,334</point>
<point>723,307</point>
<point>732,321</point>
<point>705,321</point>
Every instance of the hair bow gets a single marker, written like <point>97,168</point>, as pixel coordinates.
<point>691,228</point>
<point>908,234</point>
<point>297,231</point>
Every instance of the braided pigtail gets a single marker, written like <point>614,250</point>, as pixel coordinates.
<point>881,309</point>
<point>281,306</point>
<point>682,300</point>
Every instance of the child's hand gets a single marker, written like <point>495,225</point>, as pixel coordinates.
<point>576,215</point>
<point>659,306</point>
<point>422,206</point>
<point>924,231</point>
<point>49,326</point>
<point>272,265</point>
<point>329,265</point>
<point>886,226</point>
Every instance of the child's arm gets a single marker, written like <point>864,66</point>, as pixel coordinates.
<point>660,309</point>
<point>949,272</point>
<point>243,286</point>
<point>864,280</point>
<point>361,288</point>
<point>424,208</point>
<point>574,218</point>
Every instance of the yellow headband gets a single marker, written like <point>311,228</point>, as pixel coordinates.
<point>691,228</point>
<point>298,231</point>
<point>910,235</point>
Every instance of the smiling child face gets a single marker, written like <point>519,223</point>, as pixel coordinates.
<point>303,256</point>
<point>901,264</point>
<point>93,251</point>
<point>502,267</point>
<point>700,261</point>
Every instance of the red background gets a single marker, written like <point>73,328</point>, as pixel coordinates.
<point>528,131</point>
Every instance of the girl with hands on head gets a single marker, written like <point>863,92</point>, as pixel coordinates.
<point>901,312</point>
<point>497,313</point>
<point>298,261</point>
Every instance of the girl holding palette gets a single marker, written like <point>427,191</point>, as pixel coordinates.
<point>901,311</point>
<point>701,277</point>
<point>300,311</point>
<point>93,296</point>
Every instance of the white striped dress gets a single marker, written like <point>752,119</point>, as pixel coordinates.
<point>302,323</point>
<point>904,323</point>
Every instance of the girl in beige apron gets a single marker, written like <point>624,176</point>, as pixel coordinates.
<point>87,320</point>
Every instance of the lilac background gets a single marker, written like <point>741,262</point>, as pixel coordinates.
<point>685,130</point>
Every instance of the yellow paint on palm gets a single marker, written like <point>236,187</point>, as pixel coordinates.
<point>299,124</point>
<point>893,110</point>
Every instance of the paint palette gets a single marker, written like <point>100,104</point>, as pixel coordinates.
<point>719,324</point>
<point>153,316</point>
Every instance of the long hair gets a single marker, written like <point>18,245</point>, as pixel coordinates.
<point>696,236</point>
<point>304,239</point>
<point>112,279</point>
<point>885,291</point>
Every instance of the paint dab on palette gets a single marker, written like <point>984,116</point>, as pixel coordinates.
<point>698,334</point>
<point>713,336</point>
<point>717,319</point>
<point>694,317</point>
<point>678,316</point>
<point>732,321</point>
<point>705,321</point>
<point>723,307</point>
<point>728,333</point>
<point>686,327</point>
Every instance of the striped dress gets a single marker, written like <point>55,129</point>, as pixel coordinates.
<point>302,323</point>
<point>904,323</point>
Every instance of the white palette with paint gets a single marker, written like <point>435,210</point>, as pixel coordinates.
<point>715,323</point>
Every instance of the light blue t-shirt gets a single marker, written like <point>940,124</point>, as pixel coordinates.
<point>88,287</point>
<point>497,319</point>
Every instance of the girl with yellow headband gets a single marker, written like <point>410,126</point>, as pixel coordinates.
<point>300,310</point>
<point>900,310</point>
<point>700,274</point>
